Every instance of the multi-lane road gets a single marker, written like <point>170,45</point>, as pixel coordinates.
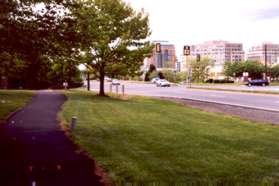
<point>258,101</point>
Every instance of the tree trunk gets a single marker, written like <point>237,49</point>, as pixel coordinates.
<point>102,82</point>
<point>4,82</point>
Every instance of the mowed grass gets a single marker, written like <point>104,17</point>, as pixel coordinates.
<point>10,100</point>
<point>143,140</point>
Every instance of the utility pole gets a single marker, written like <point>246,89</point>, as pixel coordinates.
<point>186,53</point>
<point>159,55</point>
<point>265,61</point>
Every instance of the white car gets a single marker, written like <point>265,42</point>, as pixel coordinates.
<point>108,79</point>
<point>163,83</point>
<point>154,80</point>
<point>115,82</point>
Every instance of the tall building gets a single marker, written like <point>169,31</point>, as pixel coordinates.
<point>166,58</point>
<point>265,51</point>
<point>219,52</point>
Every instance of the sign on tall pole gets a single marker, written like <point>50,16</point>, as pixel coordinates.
<point>186,50</point>
<point>186,53</point>
<point>158,47</point>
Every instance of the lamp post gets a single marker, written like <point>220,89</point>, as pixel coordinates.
<point>186,53</point>
<point>265,61</point>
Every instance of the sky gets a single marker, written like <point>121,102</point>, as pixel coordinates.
<point>184,22</point>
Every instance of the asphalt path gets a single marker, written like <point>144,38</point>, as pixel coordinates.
<point>256,101</point>
<point>34,150</point>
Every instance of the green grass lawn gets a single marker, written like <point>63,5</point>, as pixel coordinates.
<point>146,140</point>
<point>274,83</point>
<point>10,100</point>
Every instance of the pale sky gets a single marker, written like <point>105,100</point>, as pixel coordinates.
<point>184,22</point>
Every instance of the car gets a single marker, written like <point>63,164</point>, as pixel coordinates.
<point>115,82</point>
<point>257,82</point>
<point>154,80</point>
<point>163,83</point>
<point>108,79</point>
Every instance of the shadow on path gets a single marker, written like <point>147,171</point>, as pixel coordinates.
<point>34,150</point>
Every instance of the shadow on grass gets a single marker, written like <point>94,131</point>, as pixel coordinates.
<point>91,96</point>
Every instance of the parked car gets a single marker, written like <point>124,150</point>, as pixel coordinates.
<point>257,82</point>
<point>154,80</point>
<point>115,82</point>
<point>163,83</point>
<point>108,79</point>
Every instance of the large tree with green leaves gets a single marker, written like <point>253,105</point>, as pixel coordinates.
<point>36,32</point>
<point>200,69</point>
<point>236,69</point>
<point>275,72</point>
<point>114,38</point>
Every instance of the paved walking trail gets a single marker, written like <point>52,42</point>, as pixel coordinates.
<point>34,150</point>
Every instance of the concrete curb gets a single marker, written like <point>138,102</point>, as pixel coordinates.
<point>223,103</point>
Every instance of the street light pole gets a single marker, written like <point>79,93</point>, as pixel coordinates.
<point>265,60</point>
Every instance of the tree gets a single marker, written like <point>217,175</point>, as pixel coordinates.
<point>233,69</point>
<point>275,72</point>
<point>236,69</point>
<point>200,69</point>
<point>151,73</point>
<point>254,68</point>
<point>36,38</point>
<point>114,40</point>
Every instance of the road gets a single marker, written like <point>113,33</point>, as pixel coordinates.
<point>258,101</point>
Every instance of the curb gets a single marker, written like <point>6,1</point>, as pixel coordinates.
<point>223,103</point>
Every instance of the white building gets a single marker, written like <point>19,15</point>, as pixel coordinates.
<point>265,52</point>
<point>219,52</point>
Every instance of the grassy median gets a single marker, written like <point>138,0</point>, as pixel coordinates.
<point>10,100</point>
<point>146,140</point>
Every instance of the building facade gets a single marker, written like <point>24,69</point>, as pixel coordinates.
<point>265,52</point>
<point>166,58</point>
<point>219,52</point>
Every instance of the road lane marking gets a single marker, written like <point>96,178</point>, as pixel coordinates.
<point>216,96</point>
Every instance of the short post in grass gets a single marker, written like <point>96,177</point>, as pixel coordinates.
<point>123,90</point>
<point>110,88</point>
<point>116,89</point>
<point>73,123</point>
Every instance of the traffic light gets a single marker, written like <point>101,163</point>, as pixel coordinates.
<point>186,50</point>
<point>158,47</point>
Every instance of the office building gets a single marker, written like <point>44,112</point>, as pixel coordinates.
<point>166,58</point>
<point>265,52</point>
<point>219,52</point>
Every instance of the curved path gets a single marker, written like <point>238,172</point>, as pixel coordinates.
<point>34,150</point>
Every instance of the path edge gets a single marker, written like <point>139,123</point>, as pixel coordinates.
<point>99,171</point>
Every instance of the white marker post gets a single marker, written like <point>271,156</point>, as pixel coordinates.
<point>73,123</point>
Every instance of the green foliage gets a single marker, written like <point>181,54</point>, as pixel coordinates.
<point>233,69</point>
<point>114,38</point>
<point>182,76</point>
<point>33,39</point>
<point>275,71</point>
<point>173,76</point>
<point>153,74</point>
<point>236,69</point>
<point>200,69</point>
